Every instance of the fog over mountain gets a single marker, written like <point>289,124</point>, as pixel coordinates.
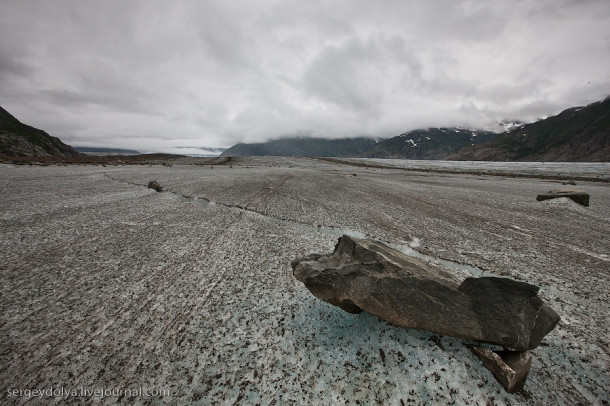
<point>181,76</point>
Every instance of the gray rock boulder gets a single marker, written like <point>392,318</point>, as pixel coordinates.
<point>153,184</point>
<point>407,292</point>
<point>510,368</point>
<point>576,195</point>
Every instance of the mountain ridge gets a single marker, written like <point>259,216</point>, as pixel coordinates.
<point>431,143</point>
<point>577,134</point>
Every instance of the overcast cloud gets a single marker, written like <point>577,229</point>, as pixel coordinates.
<point>164,75</point>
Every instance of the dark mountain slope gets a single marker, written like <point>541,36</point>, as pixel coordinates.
<point>18,139</point>
<point>433,143</point>
<point>305,147</point>
<point>576,134</point>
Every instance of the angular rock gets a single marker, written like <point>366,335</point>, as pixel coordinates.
<point>153,184</point>
<point>510,368</point>
<point>576,195</point>
<point>407,292</point>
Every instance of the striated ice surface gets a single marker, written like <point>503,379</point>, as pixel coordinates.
<point>108,284</point>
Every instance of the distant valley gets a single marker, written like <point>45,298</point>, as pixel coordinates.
<point>106,151</point>
<point>578,134</point>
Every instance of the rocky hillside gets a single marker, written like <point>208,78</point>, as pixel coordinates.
<point>576,134</point>
<point>433,143</point>
<point>304,147</point>
<point>18,139</point>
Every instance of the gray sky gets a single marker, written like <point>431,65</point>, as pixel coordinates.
<point>165,75</point>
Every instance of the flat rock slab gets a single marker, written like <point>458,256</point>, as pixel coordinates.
<point>510,368</point>
<point>576,195</point>
<point>407,292</point>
